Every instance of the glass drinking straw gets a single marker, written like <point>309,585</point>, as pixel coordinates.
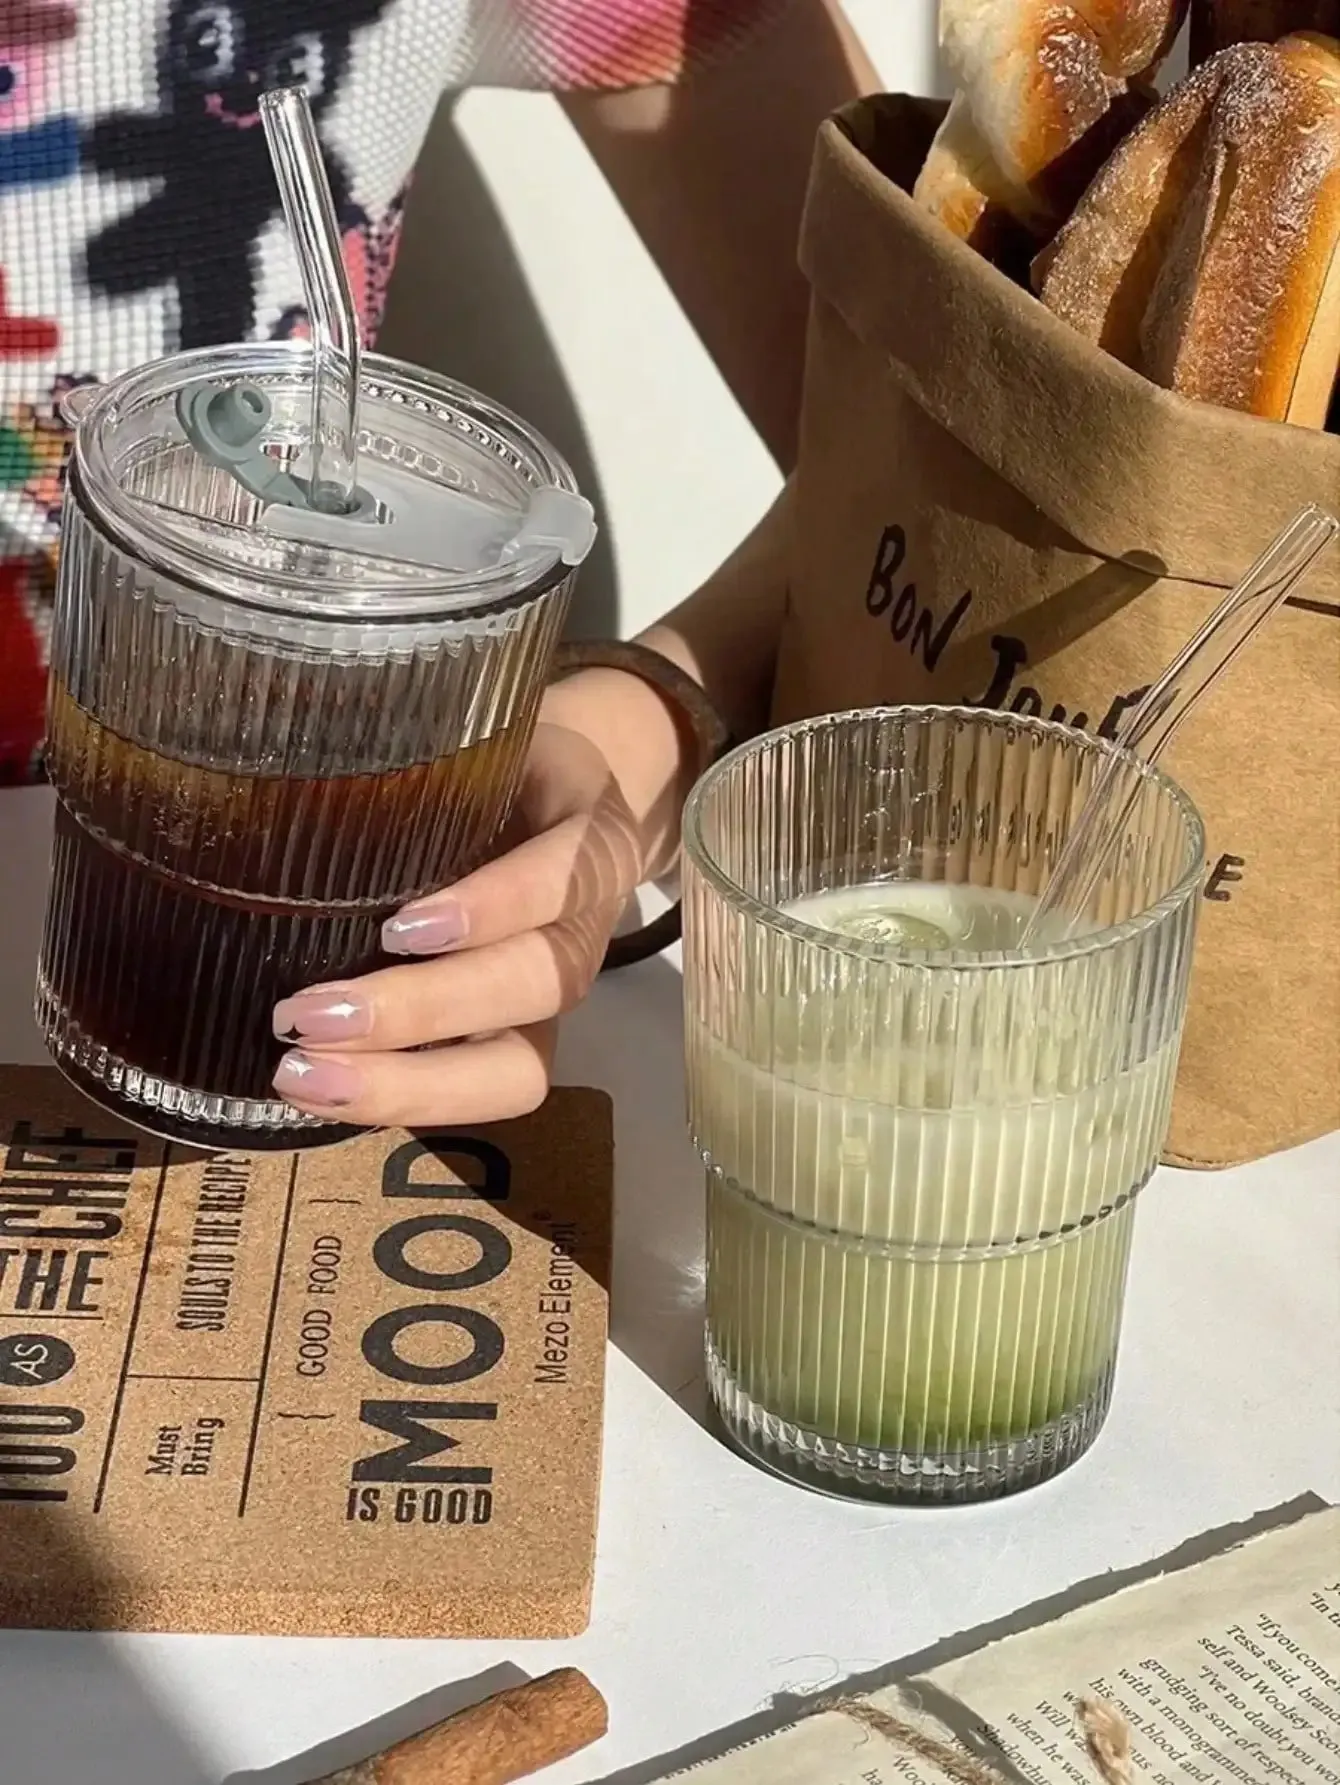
<point>309,211</point>
<point>1196,667</point>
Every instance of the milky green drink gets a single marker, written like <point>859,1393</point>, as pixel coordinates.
<point>918,1239</point>
<point>924,1140</point>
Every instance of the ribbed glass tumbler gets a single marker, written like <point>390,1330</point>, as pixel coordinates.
<point>263,743</point>
<point>923,1142</point>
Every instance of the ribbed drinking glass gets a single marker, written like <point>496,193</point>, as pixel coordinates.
<point>924,1145</point>
<point>262,744</point>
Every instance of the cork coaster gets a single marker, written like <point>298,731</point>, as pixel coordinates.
<point>352,1391</point>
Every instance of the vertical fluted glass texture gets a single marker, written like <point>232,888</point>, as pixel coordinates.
<point>923,1157</point>
<point>240,811</point>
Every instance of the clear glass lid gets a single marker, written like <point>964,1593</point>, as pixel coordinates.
<point>197,466</point>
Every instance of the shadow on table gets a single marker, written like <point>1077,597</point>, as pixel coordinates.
<point>385,1731</point>
<point>630,1040</point>
<point>75,1711</point>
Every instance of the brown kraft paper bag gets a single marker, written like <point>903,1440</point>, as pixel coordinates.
<point>990,511</point>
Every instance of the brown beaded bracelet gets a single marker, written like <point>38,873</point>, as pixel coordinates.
<point>709,734</point>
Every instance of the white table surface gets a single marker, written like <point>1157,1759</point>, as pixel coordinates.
<point>718,1587</point>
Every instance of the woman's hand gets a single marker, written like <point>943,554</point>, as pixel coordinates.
<point>491,965</point>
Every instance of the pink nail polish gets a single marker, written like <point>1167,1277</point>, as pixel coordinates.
<point>324,1013</point>
<point>425,929</point>
<point>317,1082</point>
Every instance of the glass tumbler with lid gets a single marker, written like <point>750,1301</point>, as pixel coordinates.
<point>269,728</point>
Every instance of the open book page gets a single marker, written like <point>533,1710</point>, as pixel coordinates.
<point>1227,1672</point>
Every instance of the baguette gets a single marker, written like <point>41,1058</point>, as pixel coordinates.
<point>961,185</point>
<point>1207,253</point>
<point>1047,89</point>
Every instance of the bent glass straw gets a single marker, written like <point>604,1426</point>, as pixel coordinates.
<point>1196,667</point>
<point>309,211</point>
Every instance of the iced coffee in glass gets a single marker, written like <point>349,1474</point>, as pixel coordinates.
<point>268,732</point>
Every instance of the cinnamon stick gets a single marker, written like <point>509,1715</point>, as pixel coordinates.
<point>502,1739</point>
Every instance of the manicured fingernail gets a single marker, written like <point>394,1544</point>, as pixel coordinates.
<point>427,930</point>
<point>316,1081</point>
<point>324,1013</point>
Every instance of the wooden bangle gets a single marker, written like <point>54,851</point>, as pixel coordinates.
<point>704,725</point>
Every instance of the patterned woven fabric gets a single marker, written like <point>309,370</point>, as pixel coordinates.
<point>603,43</point>
<point>138,212</point>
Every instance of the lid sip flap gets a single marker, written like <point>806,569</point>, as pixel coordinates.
<point>393,514</point>
<point>400,518</point>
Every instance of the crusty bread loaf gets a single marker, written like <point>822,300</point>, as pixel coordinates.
<point>1047,88</point>
<point>962,185</point>
<point>1040,74</point>
<point>1207,253</point>
<point>1219,24</point>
